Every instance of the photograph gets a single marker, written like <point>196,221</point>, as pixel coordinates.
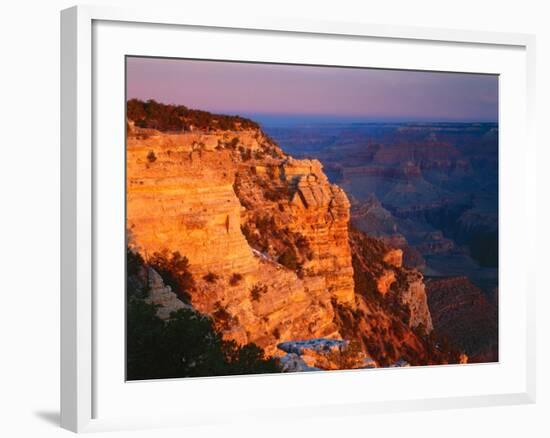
<point>296,220</point>
<point>287,218</point>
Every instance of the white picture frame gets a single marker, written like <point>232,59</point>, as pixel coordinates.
<point>81,172</point>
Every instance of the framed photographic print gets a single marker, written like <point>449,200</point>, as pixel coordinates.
<point>264,208</point>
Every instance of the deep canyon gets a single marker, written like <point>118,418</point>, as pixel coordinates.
<point>325,255</point>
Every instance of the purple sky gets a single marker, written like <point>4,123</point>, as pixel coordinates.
<point>278,89</point>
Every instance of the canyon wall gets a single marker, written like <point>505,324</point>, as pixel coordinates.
<point>268,243</point>
<point>181,198</point>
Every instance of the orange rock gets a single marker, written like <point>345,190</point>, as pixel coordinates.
<point>394,257</point>
<point>385,281</point>
<point>181,197</point>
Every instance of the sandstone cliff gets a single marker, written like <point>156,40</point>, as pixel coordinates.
<point>182,196</point>
<point>268,243</point>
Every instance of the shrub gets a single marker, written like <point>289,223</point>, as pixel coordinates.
<point>301,241</point>
<point>136,286</point>
<point>174,270</point>
<point>154,115</point>
<point>184,346</point>
<point>374,350</point>
<point>135,110</point>
<point>223,317</point>
<point>211,277</point>
<point>134,262</point>
<point>246,154</point>
<point>265,224</point>
<point>276,194</point>
<point>257,291</point>
<point>347,357</point>
<point>233,143</point>
<point>248,359</point>
<point>288,258</point>
<point>235,279</point>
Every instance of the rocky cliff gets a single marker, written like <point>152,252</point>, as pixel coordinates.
<point>269,247</point>
<point>190,192</point>
<point>463,315</point>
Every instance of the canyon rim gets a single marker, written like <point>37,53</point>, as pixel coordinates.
<point>345,219</point>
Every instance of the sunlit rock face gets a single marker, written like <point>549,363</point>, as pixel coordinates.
<point>414,297</point>
<point>182,199</point>
<point>194,193</point>
<point>394,257</point>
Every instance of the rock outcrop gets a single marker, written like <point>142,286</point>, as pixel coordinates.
<point>323,354</point>
<point>414,297</point>
<point>269,246</point>
<point>162,296</point>
<point>180,198</point>
<point>185,194</point>
<point>378,265</point>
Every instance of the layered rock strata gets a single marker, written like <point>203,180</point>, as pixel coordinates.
<point>181,198</point>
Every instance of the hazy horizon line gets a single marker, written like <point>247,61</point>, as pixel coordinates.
<point>279,117</point>
<point>267,118</point>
